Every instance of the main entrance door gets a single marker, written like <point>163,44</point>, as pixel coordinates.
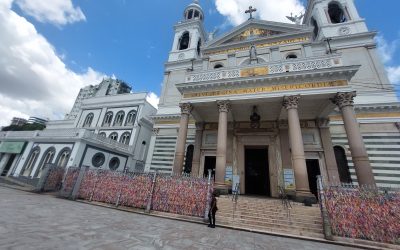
<point>209,163</point>
<point>313,171</point>
<point>257,171</point>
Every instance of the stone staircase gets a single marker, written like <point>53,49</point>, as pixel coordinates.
<point>269,216</point>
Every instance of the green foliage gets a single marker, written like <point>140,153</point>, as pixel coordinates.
<point>25,127</point>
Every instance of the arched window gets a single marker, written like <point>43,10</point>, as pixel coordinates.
<point>291,56</point>
<point>190,14</point>
<point>125,137</point>
<point>63,157</point>
<point>316,27</point>
<point>119,118</point>
<point>189,159</point>
<point>336,13</point>
<point>196,13</point>
<point>184,41</point>
<point>103,134</point>
<point>46,158</point>
<point>218,66</point>
<point>31,161</point>
<point>343,165</point>
<point>107,119</point>
<point>130,118</point>
<point>142,151</point>
<point>199,47</point>
<point>88,120</point>
<point>114,136</point>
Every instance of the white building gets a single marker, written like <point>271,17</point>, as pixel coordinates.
<point>273,103</point>
<point>111,130</point>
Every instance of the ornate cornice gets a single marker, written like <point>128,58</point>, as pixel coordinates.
<point>186,108</point>
<point>323,123</point>
<point>291,102</point>
<point>344,99</point>
<point>224,106</point>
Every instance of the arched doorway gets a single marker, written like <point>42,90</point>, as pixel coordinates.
<point>343,165</point>
<point>189,159</point>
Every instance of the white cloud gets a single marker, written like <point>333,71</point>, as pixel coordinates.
<point>394,74</point>
<point>58,12</point>
<point>386,50</point>
<point>33,78</point>
<point>271,10</point>
<point>153,99</point>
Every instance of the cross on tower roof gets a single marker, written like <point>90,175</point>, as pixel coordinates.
<point>250,11</point>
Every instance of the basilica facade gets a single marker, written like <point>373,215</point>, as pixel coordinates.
<point>272,105</point>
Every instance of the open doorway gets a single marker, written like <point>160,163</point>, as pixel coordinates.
<point>257,171</point>
<point>210,163</point>
<point>313,171</point>
<point>8,165</point>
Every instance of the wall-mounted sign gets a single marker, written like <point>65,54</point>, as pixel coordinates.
<point>288,177</point>
<point>11,147</point>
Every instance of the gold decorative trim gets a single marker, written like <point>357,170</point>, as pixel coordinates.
<point>262,45</point>
<point>266,89</point>
<point>260,71</point>
<point>368,115</point>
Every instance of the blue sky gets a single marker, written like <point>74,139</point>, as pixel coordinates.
<point>126,38</point>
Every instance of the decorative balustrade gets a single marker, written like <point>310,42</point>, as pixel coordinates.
<point>104,140</point>
<point>265,69</point>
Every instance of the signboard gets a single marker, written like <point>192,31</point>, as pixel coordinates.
<point>11,147</point>
<point>288,178</point>
<point>228,175</point>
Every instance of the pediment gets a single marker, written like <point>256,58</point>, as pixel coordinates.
<point>254,29</point>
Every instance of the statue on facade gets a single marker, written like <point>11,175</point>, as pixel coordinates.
<point>253,54</point>
<point>296,19</point>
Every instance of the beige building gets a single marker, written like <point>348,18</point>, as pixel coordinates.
<point>274,105</point>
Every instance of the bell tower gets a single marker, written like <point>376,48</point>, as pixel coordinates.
<point>334,18</point>
<point>189,34</point>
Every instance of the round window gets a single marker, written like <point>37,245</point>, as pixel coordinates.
<point>98,160</point>
<point>114,163</point>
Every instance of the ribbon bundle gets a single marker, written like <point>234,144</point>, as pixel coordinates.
<point>54,179</point>
<point>70,179</point>
<point>364,213</point>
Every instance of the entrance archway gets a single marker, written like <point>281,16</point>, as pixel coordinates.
<point>343,165</point>
<point>257,171</point>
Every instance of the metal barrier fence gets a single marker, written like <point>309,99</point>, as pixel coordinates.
<point>368,213</point>
<point>54,179</point>
<point>183,195</point>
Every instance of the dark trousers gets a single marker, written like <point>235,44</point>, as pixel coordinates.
<point>211,217</point>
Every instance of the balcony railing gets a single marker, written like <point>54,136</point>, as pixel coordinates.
<point>271,68</point>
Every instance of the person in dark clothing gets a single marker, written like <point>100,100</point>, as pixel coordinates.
<point>212,211</point>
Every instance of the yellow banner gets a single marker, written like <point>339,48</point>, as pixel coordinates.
<point>267,89</point>
<point>261,71</point>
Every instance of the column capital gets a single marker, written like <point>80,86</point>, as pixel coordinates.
<point>199,125</point>
<point>344,99</point>
<point>224,106</point>
<point>291,102</point>
<point>186,108</point>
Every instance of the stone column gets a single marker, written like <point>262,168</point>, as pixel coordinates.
<point>345,102</point>
<point>224,108</point>
<point>197,148</point>
<point>186,108</point>
<point>330,159</point>
<point>297,147</point>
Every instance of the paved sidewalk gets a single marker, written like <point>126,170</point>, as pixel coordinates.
<point>31,221</point>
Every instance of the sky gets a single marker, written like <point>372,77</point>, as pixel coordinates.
<point>51,49</point>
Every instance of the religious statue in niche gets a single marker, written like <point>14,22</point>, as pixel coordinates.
<point>255,119</point>
<point>253,54</point>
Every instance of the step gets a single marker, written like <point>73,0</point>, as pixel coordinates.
<point>262,212</point>
<point>277,224</point>
<point>292,219</point>
<point>273,229</point>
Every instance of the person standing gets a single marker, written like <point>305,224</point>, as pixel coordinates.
<point>212,211</point>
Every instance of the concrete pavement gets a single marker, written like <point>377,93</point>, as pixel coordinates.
<point>31,221</point>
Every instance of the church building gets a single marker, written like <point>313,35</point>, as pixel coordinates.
<point>109,127</point>
<point>272,105</point>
